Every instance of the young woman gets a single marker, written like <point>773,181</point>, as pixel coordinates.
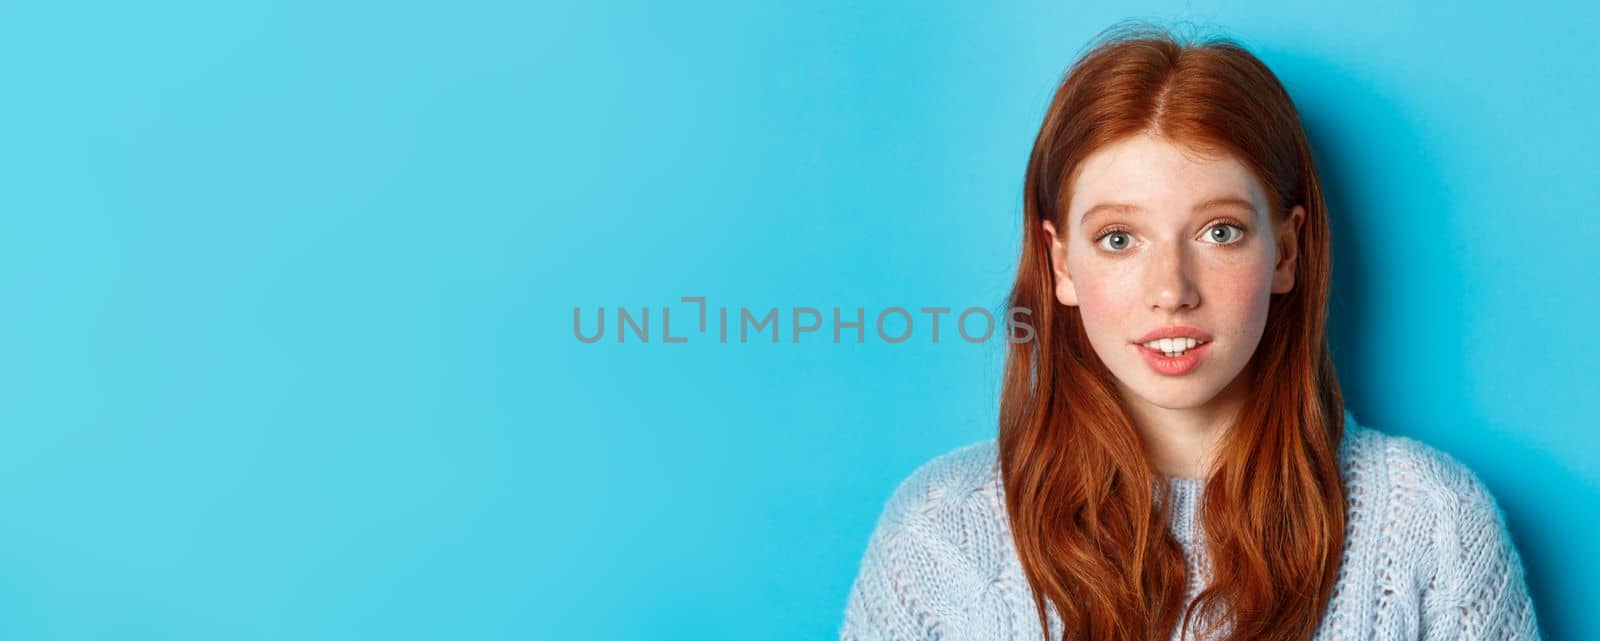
<point>1174,458</point>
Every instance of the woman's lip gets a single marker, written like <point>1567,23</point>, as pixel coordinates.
<point>1174,366</point>
<point>1175,331</point>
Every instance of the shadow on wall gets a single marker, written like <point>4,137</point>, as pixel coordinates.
<point>1332,106</point>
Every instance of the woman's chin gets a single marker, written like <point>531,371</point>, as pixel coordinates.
<point>1176,394</point>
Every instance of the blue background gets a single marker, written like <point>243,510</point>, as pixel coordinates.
<point>288,289</point>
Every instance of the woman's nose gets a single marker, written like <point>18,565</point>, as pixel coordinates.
<point>1170,285</point>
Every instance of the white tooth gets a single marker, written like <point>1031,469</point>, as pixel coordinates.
<point>1173,347</point>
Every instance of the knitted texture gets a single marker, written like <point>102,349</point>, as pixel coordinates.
<point>1427,554</point>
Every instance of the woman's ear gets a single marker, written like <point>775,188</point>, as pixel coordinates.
<point>1065,291</point>
<point>1288,239</point>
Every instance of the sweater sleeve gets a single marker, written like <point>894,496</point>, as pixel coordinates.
<point>1478,590</point>
<point>902,590</point>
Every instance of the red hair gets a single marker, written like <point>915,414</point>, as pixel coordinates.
<point>1088,510</point>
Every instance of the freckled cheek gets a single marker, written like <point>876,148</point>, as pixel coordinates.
<point>1099,285</point>
<point>1107,299</point>
<point>1240,292</point>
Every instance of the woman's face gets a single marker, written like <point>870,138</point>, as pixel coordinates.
<point>1165,243</point>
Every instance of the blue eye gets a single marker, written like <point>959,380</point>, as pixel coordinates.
<point>1120,240</point>
<point>1219,234</point>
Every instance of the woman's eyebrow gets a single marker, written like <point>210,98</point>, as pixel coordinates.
<point>1225,201</point>
<point>1206,205</point>
<point>1103,207</point>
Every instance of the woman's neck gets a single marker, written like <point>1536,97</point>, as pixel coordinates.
<point>1180,444</point>
<point>1183,442</point>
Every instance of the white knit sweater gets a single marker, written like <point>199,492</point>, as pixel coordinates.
<point>1427,554</point>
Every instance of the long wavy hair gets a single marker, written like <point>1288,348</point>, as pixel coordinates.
<point>1088,510</point>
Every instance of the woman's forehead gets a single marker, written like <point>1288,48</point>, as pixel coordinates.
<point>1150,174</point>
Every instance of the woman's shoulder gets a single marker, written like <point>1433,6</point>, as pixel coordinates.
<point>943,489</point>
<point>1429,509</point>
<point>939,549</point>
<point>966,466</point>
<point>1422,475</point>
<point>952,506</point>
